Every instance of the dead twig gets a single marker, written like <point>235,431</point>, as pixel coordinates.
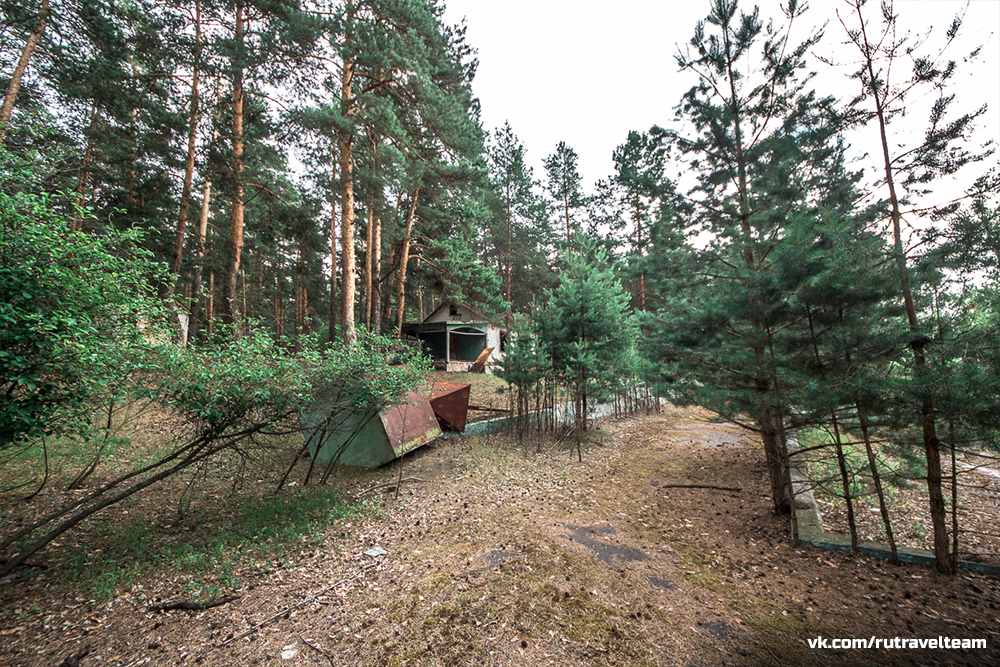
<point>702,486</point>
<point>41,566</point>
<point>325,654</point>
<point>288,610</point>
<point>194,606</point>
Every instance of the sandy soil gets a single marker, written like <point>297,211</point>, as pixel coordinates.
<point>498,555</point>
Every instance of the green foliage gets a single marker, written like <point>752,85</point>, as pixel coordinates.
<point>584,337</point>
<point>361,375</point>
<point>224,398</point>
<point>467,280</point>
<point>593,331</point>
<point>72,305</point>
<point>527,360</point>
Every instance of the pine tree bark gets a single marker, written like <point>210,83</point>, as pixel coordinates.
<point>210,305</point>
<point>377,275</point>
<point>199,269</point>
<point>301,302</point>
<point>877,480</point>
<point>768,418</point>
<point>182,213</point>
<point>932,445</point>
<point>845,480</point>
<point>133,159</point>
<point>369,236</point>
<point>199,261</point>
<point>509,259</point>
<point>278,303</point>
<point>404,258</point>
<point>393,267</point>
<point>234,246</point>
<point>76,221</point>
<point>347,287</point>
<point>10,96</point>
<point>569,244</point>
<point>334,302</point>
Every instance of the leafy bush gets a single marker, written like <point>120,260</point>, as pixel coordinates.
<point>69,301</point>
<point>79,334</point>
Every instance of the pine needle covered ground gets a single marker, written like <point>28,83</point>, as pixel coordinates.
<point>495,555</point>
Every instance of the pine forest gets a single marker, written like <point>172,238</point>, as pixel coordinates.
<point>222,218</point>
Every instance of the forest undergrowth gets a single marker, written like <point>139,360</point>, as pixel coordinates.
<point>657,549</point>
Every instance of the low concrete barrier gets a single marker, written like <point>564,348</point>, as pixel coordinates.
<point>810,523</point>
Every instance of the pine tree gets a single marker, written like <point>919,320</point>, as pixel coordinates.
<point>517,237</point>
<point>908,172</point>
<point>591,329</point>
<point>564,185</point>
<point>746,123</point>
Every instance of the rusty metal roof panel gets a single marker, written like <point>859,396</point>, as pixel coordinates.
<point>450,402</point>
<point>410,423</point>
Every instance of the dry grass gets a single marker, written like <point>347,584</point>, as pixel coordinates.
<point>501,556</point>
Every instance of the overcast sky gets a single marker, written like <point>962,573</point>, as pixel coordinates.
<point>588,71</point>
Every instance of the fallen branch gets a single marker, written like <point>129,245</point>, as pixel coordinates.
<point>74,660</point>
<point>41,566</point>
<point>194,606</point>
<point>325,654</point>
<point>702,486</point>
<point>396,483</point>
<point>288,610</point>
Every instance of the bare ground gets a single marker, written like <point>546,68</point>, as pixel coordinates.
<point>503,556</point>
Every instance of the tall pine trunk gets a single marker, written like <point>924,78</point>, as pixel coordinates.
<point>210,305</point>
<point>369,237</point>
<point>877,481</point>
<point>199,261</point>
<point>235,244</point>
<point>509,258</point>
<point>334,303</point>
<point>767,419</point>
<point>76,222</point>
<point>22,65</point>
<point>377,274</point>
<point>932,445</point>
<point>182,215</point>
<point>199,268</point>
<point>404,258</point>
<point>347,288</point>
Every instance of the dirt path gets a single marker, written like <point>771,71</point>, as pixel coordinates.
<point>500,557</point>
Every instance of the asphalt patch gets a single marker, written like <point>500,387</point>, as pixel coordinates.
<point>718,629</point>
<point>603,551</point>
<point>662,584</point>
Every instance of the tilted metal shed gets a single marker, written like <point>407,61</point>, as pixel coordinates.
<point>371,440</point>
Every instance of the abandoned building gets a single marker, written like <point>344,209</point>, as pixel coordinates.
<point>457,337</point>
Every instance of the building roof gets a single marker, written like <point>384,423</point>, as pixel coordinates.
<point>459,306</point>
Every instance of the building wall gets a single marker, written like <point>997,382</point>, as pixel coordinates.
<point>443,314</point>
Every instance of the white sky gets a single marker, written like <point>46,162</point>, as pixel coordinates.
<point>588,71</point>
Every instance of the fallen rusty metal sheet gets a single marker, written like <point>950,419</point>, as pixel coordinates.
<point>450,402</point>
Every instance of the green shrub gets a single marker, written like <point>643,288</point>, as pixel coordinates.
<point>72,307</point>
